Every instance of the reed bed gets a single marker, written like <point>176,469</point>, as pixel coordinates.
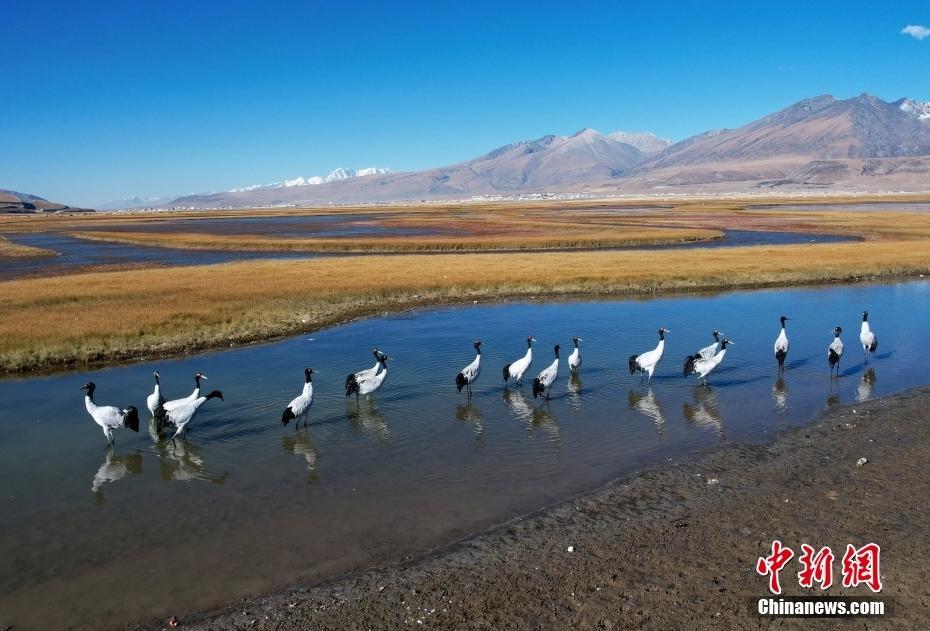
<point>91,318</point>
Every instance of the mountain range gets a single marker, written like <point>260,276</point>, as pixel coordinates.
<point>860,144</point>
<point>845,145</point>
<point>14,202</point>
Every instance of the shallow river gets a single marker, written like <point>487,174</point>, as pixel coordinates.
<point>95,537</point>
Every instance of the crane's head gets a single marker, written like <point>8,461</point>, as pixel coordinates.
<point>216,394</point>
<point>784,319</point>
<point>477,345</point>
<point>557,350</point>
<point>724,342</point>
<point>530,340</point>
<point>837,330</point>
<point>716,335</point>
<point>384,359</point>
<point>157,376</point>
<point>198,377</point>
<point>307,374</point>
<point>577,339</point>
<point>865,316</point>
<point>663,331</point>
<point>89,386</point>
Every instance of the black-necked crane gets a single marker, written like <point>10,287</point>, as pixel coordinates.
<point>181,415</point>
<point>470,373</point>
<point>109,417</point>
<point>367,381</point>
<point>574,360</point>
<point>709,351</point>
<point>703,367</point>
<point>646,362</point>
<point>517,369</point>
<point>867,337</point>
<point>835,352</point>
<point>781,345</point>
<point>155,399</point>
<point>193,396</point>
<point>299,408</point>
<point>542,384</point>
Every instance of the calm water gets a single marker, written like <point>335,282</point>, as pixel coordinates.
<point>246,506</point>
<point>282,226</point>
<point>74,254</point>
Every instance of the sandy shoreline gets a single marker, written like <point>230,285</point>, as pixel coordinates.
<point>666,548</point>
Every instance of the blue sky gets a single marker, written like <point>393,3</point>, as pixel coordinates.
<point>102,100</point>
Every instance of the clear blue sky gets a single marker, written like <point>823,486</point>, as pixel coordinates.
<point>103,100</point>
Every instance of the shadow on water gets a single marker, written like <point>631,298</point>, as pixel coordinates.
<point>470,414</point>
<point>114,468</point>
<point>180,460</point>
<point>299,444</point>
<point>365,417</point>
<point>704,411</point>
<point>648,405</point>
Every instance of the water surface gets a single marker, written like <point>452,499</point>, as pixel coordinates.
<point>244,506</point>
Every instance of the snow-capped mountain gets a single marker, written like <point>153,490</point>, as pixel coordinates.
<point>334,175</point>
<point>918,109</point>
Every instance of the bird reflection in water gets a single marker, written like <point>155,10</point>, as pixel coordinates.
<point>865,385</point>
<point>299,444</point>
<point>180,461</point>
<point>366,417</point>
<point>115,468</point>
<point>468,413</point>
<point>534,417</point>
<point>574,392</point>
<point>648,405</point>
<point>780,394</point>
<point>705,412</point>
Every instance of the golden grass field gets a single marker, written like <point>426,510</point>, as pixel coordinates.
<point>107,316</point>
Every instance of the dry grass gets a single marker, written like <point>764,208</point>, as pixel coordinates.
<point>560,237</point>
<point>51,322</point>
<point>14,250</point>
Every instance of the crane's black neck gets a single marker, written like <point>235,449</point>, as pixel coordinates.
<point>865,316</point>
<point>308,376</point>
<point>556,351</point>
<point>716,336</point>
<point>661,335</point>
<point>576,342</point>
<point>157,382</point>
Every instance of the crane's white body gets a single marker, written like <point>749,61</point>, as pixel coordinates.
<point>867,337</point>
<point>368,373</point>
<point>704,367</point>
<point>108,417</point>
<point>709,351</point>
<point>300,405</point>
<point>781,342</point>
<point>155,399</point>
<point>193,396</point>
<point>646,362</point>
<point>181,415</point>
<point>470,373</point>
<point>517,369</point>
<point>574,360</point>
<point>546,378</point>
<point>835,352</point>
<point>370,383</point>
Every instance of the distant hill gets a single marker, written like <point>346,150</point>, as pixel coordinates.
<point>15,202</point>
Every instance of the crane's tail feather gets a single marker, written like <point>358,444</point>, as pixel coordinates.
<point>538,388</point>
<point>689,364</point>
<point>874,345</point>
<point>161,418</point>
<point>633,366</point>
<point>833,358</point>
<point>506,373</point>
<point>780,356</point>
<point>460,382</point>
<point>287,416</point>
<point>351,385</point>
<point>132,418</point>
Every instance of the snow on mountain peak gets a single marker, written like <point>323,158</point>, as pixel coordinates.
<point>918,109</point>
<point>334,176</point>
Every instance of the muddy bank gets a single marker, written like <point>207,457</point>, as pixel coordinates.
<point>669,548</point>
